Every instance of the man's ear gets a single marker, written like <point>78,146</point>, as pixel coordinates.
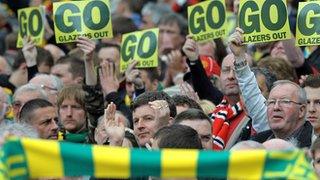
<point>23,66</point>
<point>171,121</point>
<point>155,84</point>
<point>78,80</point>
<point>302,111</point>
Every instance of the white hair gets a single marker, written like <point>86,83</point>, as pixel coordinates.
<point>30,88</point>
<point>18,129</point>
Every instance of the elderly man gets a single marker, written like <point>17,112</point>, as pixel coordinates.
<point>285,107</point>
<point>50,83</point>
<point>230,120</point>
<point>24,94</point>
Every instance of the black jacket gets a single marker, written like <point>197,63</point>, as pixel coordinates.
<point>202,85</point>
<point>303,135</point>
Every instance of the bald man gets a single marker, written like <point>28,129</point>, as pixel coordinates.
<point>278,144</point>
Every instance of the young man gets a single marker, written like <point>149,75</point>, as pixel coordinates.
<point>41,115</point>
<point>71,108</point>
<point>200,122</point>
<point>312,88</point>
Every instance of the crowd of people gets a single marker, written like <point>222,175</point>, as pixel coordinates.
<point>214,95</point>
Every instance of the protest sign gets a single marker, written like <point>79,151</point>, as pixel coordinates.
<point>207,20</point>
<point>91,19</point>
<point>31,23</point>
<point>141,46</point>
<point>264,21</point>
<point>308,24</point>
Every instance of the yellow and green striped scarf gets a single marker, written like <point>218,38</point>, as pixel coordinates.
<point>32,158</point>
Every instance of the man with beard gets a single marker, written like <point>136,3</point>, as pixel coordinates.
<point>71,108</point>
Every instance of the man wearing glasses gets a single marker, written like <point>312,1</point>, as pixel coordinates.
<point>285,107</point>
<point>24,94</point>
<point>286,111</point>
<point>51,84</point>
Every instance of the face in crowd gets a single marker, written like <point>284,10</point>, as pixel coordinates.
<point>72,115</point>
<point>285,110</point>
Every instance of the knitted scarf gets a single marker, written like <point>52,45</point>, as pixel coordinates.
<point>222,116</point>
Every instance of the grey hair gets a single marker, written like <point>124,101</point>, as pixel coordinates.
<point>18,129</point>
<point>270,77</point>
<point>302,95</point>
<point>154,10</point>
<point>30,88</point>
<point>56,82</point>
<point>247,145</point>
<point>171,18</point>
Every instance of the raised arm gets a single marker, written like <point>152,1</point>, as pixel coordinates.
<point>88,46</point>
<point>201,83</point>
<point>253,98</point>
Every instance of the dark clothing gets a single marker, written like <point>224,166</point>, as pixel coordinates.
<point>314,59</point>
<point>4,82</point>
<point>32,71</point>
<point>202,85</point>
<point>303,135</point>
<point>305,69</point>
<point>95,104</point>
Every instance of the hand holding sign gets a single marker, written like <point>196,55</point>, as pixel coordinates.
<point>236,43</point>
<point>87,46</point>
<point>29,51</point>
<point>190,48</point>
<point>133,75</point>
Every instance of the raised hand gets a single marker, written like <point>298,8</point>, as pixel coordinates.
<point>236,43</point>
<point>191,49</point>
<point>187,90</point>
<point>115,129</point>
<point>29,51</point>
<point>108,78</point>
<point>133,75</point>
<point>161,108</point>
<point>87,46</point>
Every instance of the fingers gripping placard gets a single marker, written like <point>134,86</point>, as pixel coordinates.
<point>82,18</point>
<point>308,24</point>
<point>264,21</point>
<point>207,20</point>
<point>31,23</point>
<point>141,46</point>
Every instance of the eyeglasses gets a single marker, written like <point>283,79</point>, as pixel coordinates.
<point>281,102</point>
